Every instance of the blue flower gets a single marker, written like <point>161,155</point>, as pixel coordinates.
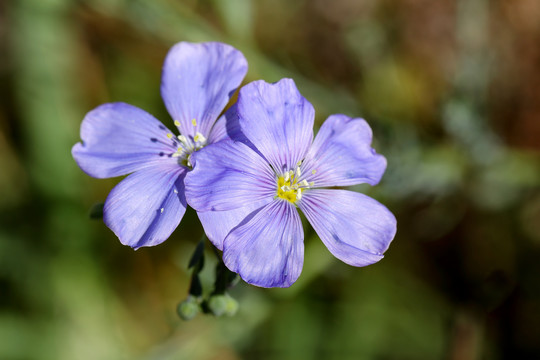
<point>247,192</point>
<point>119,139</point>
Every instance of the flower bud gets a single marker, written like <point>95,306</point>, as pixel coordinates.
<point>188,308</point>
<point>217,304</point>
<point>222,305</point>
<point>231,307</point>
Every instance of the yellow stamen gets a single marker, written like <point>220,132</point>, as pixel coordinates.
<point>284,190</point>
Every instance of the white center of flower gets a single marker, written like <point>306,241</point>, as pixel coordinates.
<point>289,185</point>
<point>187,145</point>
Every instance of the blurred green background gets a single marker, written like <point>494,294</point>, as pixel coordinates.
<point>451,90</point>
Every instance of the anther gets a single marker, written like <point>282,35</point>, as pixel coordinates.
<point>290,187</point>
<point>199,137</point>
<point>182,138</point>
<point>178,153</point>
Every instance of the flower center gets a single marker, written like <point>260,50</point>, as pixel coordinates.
<point>187,145</point>
<point>289,185</point>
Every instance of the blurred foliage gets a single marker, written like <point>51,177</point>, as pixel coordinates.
<point>450,89</point>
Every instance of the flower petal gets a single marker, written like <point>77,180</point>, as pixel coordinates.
<point>227,127</point>
<point>341,154</point>
<point>354,227</point>
<point>267,248</point>
<point>278,120</point>
<point>118,139</point>
<point>218,224</point>
<point>219,130</point>
<point>146,207</point>
<point>228,175</point>
<point>198,81</point>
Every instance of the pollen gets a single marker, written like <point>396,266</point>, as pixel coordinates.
<point>199,138</point>
<point>187,145</point>
<point>194,122</point>
<point>176,122</point>
<point>290,187</point>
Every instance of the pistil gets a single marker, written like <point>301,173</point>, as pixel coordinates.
<point>187,145</point>
<point>289,185</point>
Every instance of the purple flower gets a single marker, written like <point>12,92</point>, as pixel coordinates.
<point>118,139</point>
<point>247,191</point>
